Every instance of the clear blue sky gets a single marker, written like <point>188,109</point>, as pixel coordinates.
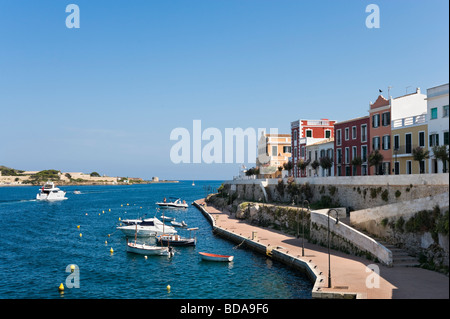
<point>106,96</point>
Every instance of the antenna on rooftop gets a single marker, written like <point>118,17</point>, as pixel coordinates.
<point>389,91</point>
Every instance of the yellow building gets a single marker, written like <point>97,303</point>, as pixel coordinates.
<point>407,134</point>
<point>274,150</point>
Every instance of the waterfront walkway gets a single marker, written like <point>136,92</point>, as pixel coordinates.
<point>348,273</point>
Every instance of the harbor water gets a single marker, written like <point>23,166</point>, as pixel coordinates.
<point>39,240</point>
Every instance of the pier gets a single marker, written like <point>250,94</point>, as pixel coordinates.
<point>352,276</point>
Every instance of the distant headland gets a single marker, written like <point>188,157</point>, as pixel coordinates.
<point>13,177</point>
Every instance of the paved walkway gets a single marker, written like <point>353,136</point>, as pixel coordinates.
<point>348,273</point>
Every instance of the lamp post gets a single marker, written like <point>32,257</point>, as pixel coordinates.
<point>303,224</point>
<point>329,259</point>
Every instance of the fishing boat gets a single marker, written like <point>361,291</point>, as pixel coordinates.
<point>49,192</point>
<point>177,240</point>
<point>173,203</point>
<point>145,227</point>
<point>215,257</point>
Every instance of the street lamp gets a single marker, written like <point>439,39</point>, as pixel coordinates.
<point>303,224</point>
<point>329,259</point>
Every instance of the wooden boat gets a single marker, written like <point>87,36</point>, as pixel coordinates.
<point>215,257</point>
<point>176,240</point>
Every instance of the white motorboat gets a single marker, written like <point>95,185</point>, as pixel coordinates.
<point>145,227</point>
<point>49,192</point>
<point>173,203</point>
<point>178,224</point>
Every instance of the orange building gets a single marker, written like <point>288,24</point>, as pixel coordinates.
<point>380,132</point>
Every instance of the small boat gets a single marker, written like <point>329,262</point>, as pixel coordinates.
<point>173,203</point>
<point>215,257</point>
<point>177,224</point>
<point>193,184</point>
<point>77,192</point>
<point>166,218</point>
<point>176,240</point>
<point>49,192</point>
<point>149,250</point>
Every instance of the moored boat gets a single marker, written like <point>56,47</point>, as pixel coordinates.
<point>215,257</point>
<point>148,250</point>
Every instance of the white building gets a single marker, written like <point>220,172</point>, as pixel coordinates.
<point>316,151</point>
<point>437,109</point>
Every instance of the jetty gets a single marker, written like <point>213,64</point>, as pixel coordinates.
<point>352,277</point>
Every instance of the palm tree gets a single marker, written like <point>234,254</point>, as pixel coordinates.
<point>326,163</point>
<point>441,153</point>
<point>420,154</point>
<point>375,159</point>
<point>302,164</point>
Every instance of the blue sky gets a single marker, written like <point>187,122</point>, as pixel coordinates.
<point>106,96</point>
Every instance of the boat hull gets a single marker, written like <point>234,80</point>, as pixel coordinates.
<point>216,257</point>
<point>176,241</point>
<point>147,250</point>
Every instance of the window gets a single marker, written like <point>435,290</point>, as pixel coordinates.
<point>422,139</point>
<point>322,153</point>
<point>302,151</point>
<point>376,120</point>
<point>347,133</point>
<point>327,134</point>
<point>274,150</point>
<point>445,111</point>
<point>434,114</point>
<point>408,167</point>
<point>386,142</point>
<point>353,132</point>
<point>386,119</point>
<point>309,155</point>
<point>308,133</point>
<point>364,153</point>
<point>396,142</point>
<point>364,133</point>
<point>295,152</point>
<point>396,168</point>
<point>339,156</point>
<point>408,143</point>
<point>434,140</point>
<point>347,155</point>
<point>376,143</point>
<point>354,152</point>
<point>445,138</point>
<point>286,149</point>
<point>338,137</point>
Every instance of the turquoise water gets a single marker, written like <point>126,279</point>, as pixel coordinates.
<point>40,239</point>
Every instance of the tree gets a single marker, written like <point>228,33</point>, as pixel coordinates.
<point>375,159</point>
<point>95,174</point>
<point>288,166</point>
<point>441,153</point>
<point>326,163</point>
<point>357,161</point>
<point>315,165</point>
<point>420,154</point>
<point>302,164</point>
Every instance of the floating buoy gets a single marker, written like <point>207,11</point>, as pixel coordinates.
<point>111,250</point>
<point>103,211</point>
<point>109,235</point>
<point>168,288</point>
<point>72,268</point>
<point>81,235</point>
<point>128,204</point>
<point>121,205</point>
<point>106,242</point>
<point>86,214</point>
<point>119,219</point>
<point>61,287</point>
<point>145,257</point>
<point>78,226</point>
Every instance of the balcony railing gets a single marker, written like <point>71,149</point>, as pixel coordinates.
<point>404,149</point>
<point>408,121</point>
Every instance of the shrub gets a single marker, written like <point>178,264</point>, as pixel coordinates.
<point>398,193</point>
<point>385,195</point>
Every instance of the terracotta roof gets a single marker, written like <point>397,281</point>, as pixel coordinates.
<point>381,101</point>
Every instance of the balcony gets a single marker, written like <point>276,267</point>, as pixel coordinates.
<point>404,150</point>
<point>408,121</point>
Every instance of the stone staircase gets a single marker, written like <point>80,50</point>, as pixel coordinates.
<point>400,257</point>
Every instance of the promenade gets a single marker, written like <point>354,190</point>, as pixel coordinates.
<point>349,273</point>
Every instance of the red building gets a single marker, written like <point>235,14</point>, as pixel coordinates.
<point>351,143</point>
<point>305,132</point>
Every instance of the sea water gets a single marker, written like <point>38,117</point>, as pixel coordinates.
<point>40,239</point>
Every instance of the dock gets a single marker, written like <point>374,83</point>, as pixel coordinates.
<point>352,277</point>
